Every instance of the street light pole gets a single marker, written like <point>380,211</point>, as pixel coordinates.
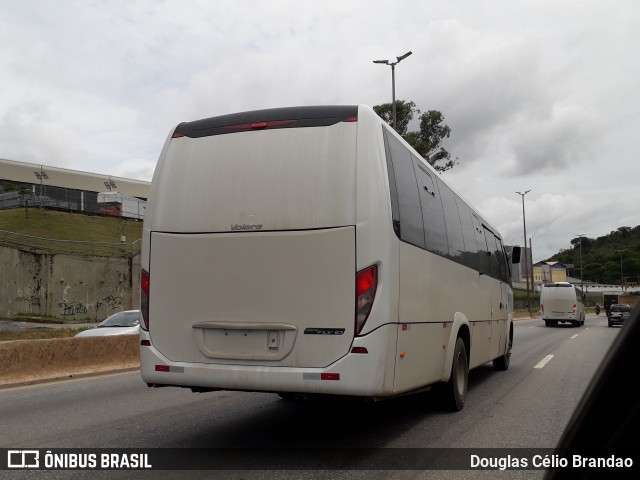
<point>393,82</point>
<point>581,269</point>
<point>40,175</point>
<point>621,277</point>
<point>526,273</point>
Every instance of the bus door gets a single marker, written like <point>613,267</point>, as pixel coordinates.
<point>500,294</point>
<point>481,330</point>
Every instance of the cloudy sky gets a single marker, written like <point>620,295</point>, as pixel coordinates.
<point>540,95</point>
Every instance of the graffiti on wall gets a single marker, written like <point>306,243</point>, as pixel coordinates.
<point>110,302</point>
<point>29,296</point>
<point>31,300</point>
<point>72,309</point>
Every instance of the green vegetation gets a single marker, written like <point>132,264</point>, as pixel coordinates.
<point>428,140</point>
<point>605,259</point>
<point>7,335</point>
<point>522,295</point>
<point>53,224</point>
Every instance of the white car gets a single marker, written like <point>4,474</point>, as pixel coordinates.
<point>121,323</point>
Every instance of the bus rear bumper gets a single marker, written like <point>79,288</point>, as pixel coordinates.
<point>354,374</point>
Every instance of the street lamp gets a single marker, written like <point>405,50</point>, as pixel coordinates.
<point>621,277</point>
<point>580,235</point>
<point>110,184</point>
<point>393,82</point>
<point>40,176</point>
<point>526,273</point>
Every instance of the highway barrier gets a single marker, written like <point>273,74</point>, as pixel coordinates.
<point>32,361</point>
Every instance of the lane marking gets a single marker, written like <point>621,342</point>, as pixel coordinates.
<point>544,361</point>
<point>573,336</point>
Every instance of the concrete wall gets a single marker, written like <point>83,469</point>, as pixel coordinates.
<point>68,287</point>
<point>26,361</point>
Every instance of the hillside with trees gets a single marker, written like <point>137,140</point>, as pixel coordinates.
<point>605,259</point>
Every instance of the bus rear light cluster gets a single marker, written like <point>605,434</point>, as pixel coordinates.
<point>145,281</point>
<point>366,285</point>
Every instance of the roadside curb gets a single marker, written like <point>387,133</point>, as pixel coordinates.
<point>7,386</point>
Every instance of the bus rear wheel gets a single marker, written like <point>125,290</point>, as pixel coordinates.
<point>502,363</point>
<point>454,393</point>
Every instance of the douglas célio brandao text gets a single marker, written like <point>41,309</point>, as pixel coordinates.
<point>548,461</point>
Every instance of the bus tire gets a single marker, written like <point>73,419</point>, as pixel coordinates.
<point>454,393</point>
<point>502,363</point>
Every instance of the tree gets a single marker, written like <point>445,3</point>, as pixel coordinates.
<point>428,140</point>
<point>601,256</point>
<point>404,114</point>
<point>25,195</point>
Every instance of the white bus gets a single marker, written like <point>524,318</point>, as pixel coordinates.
<point>311,250</point>
<point>561,302</point>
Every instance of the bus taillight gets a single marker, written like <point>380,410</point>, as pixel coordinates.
<point>366,285</point>
<point>144,298</point>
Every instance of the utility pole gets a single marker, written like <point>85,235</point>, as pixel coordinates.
<point>621,276</point>
<point>526,270</point>
<point>580,236</point>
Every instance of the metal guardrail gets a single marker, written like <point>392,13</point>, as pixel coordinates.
<point>68,247</point>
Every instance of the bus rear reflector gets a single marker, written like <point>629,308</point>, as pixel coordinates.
<point>366,285</point>
<point>329,376</point>
<point>359,350</point>
<point>163,368</point>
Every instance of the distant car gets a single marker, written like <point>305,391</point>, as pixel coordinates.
<point>121,323</point>
<point>619,314</point>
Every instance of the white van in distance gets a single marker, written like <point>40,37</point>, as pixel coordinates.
<point>311,250</point>
<point>561,302</point>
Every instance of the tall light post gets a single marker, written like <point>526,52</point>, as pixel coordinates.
<point>40,176</point>
<point>393,82</point>
<point>621,277</point>
<point>580,235</point>
<point>526,273</point>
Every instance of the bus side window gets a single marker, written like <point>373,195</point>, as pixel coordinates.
<point>408,199</point>
<point>483,249</point>
<point>455,237</point>
<point>502,261</point>
<point>468,234</point>
<point>393,193</point>
<point>494,267</point>
<point>435,232</point>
